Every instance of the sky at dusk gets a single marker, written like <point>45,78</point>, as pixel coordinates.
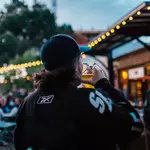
<point>88,14</point>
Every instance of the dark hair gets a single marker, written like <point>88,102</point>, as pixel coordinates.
<point>55,80</point>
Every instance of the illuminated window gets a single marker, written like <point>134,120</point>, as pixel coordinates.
<point>124,75</point>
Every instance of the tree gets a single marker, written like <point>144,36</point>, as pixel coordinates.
<point>28,56</point>
<point>8,47</point>
<point>65,29</point>
<point>28,27</point>
<point>33,25</point>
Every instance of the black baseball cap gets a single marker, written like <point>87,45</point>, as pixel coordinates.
<point>59,51</point>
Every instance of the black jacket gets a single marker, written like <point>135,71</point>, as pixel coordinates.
<point>77,119</point>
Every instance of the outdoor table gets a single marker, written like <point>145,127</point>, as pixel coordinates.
<point>9,119</point>
<point>5,125</point>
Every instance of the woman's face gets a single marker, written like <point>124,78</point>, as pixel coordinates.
<point>17,101</point>
<point>3,102</point>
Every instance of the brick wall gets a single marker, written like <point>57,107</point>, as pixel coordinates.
<point>136,58</point>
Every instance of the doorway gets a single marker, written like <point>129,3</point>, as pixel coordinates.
<point>136,90</point>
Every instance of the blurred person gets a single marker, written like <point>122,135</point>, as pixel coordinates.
<point>37,79</point>
<point>2,103</point>
<point>9,104</point>
<point>14,110</point>
<point>58,115</point>
<point>143,143</point>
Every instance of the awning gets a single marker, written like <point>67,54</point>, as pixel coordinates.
<point>132,26</point>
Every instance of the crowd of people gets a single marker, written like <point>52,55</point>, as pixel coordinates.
<point>9,104</point>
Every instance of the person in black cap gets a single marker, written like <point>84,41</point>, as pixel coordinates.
<point>60,116</point>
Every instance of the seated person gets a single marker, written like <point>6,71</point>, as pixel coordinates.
<point>14,109</point>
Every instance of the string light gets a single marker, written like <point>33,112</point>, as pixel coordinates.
<point>95,42</point>
<point>117,27</point>
<point>138,13</point>
<point>108,34</point>
<point>19,66</point>
<point>131,18</point>
<point>123,23</point>
<point>29,64</point>
<point>103,36</point>
<point>34,63</point>
<point>92,44</point>
<point>112,30</point>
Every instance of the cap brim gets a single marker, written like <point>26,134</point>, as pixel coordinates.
<point>84,49</point>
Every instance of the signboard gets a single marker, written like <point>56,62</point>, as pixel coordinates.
<point>145,39</point>
<point>136,73</point>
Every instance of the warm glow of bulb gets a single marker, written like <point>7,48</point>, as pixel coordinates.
<point>99,39</point>
<point>34,63</point>
<point>92,44</point>
<point>108,34</point>
<point>95,42</point>
<point>139,85</point>
<point>26,65</point>
<point>117,27</point>
<point>112,30</point>
<point>103,36</point>
<point>131,18</point>
<point>29,64</point>
<point>38,63</point>
<point>123,23</point>
<point>124,75</point>
<point>138,13</point>
<point>28,78</point>
<point>148,8</point>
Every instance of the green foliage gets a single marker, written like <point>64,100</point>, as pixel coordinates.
<point>65,29</point>
<point>27,28</point>
<point>22,32</point>
<point>23,83</point>
<point>28,56</point>
<point>31,25</point>
<point>8,47</point>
